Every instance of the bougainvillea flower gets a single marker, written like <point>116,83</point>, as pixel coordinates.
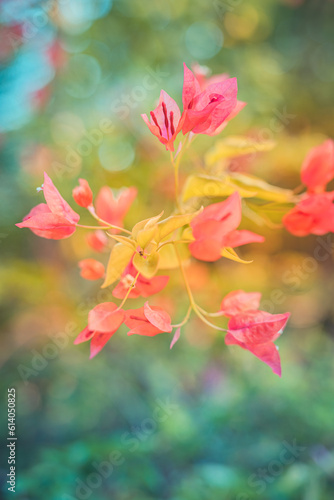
<point>240,301</point>
<point>103,321</point>
<point>215,228</point>
<point>257,327</point>
<point>256,331</point>
<point>202,75</point>
<point>148,321</point>
<point>113,210</point>
<point>267,352</point>
<point>97,240</point>
<point>166,121</point>
<point>313,215</point>
<point>318,167</point>
<point>205,111</point>
<point>54,219</point>
<point>91,269</point>
<point>82,194</point>
<point>144,287</point>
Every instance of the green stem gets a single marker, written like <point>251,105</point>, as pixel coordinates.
<point>92,227</point>
<point>193,304</point>
<point>128,292</point>
<point>109,226</point>
<point>212,315</point>
<point>185,319</point>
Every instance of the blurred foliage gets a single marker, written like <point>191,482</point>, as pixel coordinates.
<point>75,77</point>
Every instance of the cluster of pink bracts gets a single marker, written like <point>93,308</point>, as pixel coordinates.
<point>213,228</point>
<point>314,214</point>
<point>208,103</point>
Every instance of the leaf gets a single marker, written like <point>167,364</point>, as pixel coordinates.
<point>158,318</point>
<point>261,189</point>
<point>169,225</point>
<point>125,240</point>
<point>145,224</point>
<point>233,146</point>
<point>212,187</point>
<point>231,254</point>
<point>145,236</point>
<point>146,265</point>
<point>168,257</point>
<point>118,260</point>
<point>176,337</point>
<point>269,214</point>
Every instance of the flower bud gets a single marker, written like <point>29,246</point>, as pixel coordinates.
<point>82,194</point>
<point>91,269</point>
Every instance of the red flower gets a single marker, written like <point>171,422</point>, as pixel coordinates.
<point>103,321</point>
<point>113,210</point>
<point>148,321</point>
<point>266,352</point>
<point>54,219</point>
<point>313,215</point>
<point>91,269</point>
<point>215,228</point>
<point>256,332</point>
<point>82,194</point>
<point>206,110</point>
<point>166,121</point>
<point>240,301</point>
<point>318,167</point>
<point>201,74</point>
<point>252,329</point>
<point>144,287</point>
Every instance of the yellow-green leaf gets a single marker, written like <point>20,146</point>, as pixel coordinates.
<point>174,222</point>
<point>146,266</point>
<point>261,189</point>
<point>168,257</point>
<point>118,260</point>
<point>123,239</point>
<point>145,224</point>
<point>145,236</point>
<point>212,187</point>
<point>233,146</point>
<point>231,254</point>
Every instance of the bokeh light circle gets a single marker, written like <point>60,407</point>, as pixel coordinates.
<point>83,76</point>
<point>116,155</point>
<point>204,40</point>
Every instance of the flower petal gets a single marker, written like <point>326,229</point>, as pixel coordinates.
<point>85,335</point>
<point>98,341</point>
<point>176,337</point>
<point>318,166</point>
<point>191,87</point>
<point>240,301</point>
<point>158,317</point>
<point>243,237</point>
<point>257,327</point>
<point>268,353</point>
<point>47,225</point>
<point>56,202</point>
<point>105,317</point>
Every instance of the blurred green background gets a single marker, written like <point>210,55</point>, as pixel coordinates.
<point>202,421</point>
